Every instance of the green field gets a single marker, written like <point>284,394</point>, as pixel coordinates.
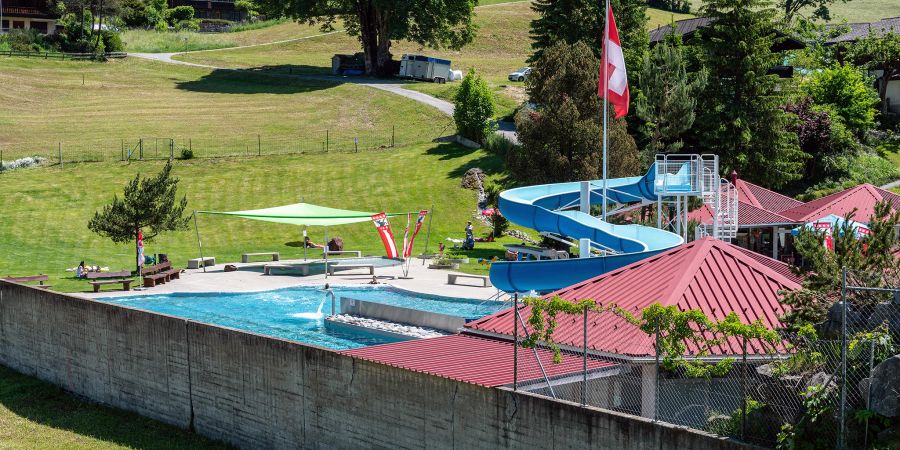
<point>132,98</point>
<point>46,210</point>
<point>37,415</point>
<point>150,41</point>
<point>851,10</point>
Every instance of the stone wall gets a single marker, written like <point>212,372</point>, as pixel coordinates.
<point>259,392</point>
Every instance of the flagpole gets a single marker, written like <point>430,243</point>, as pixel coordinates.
<point>605,63</point>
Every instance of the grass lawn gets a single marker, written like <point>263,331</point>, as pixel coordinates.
<point>852,11</point>
<point>46,210</point>
<point>149,41</point>
<point>132,98</point>
<point>37,415</point>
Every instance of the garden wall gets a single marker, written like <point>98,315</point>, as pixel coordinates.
<point>259,392</point>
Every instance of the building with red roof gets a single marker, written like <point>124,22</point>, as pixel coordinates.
<point>862,198</point>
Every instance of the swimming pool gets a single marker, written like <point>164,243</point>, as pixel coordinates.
<point>291,313</point>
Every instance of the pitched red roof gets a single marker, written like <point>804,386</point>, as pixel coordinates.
<point>764,198</point>
<point>748,215</point>
<point>862,197</point>
<point>473,359</point>
<point>774,264</point>
<point>708,274</point>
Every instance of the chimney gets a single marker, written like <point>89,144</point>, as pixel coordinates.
<point>734,177</point>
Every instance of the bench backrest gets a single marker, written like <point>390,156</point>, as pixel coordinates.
<point>156,268</point>
<point>27,278</point>
<point>100,275</point>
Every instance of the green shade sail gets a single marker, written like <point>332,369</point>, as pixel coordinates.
<point>303,214</point>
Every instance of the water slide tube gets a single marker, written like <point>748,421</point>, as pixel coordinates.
<point>540,207</point>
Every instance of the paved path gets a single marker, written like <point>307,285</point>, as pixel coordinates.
<point>891,185</point>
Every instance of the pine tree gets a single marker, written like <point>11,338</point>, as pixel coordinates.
<point>148,204</point>
<point>741,115</point>
<point>668,100</point>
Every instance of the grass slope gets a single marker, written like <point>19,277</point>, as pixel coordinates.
<point>46,210</point>
<point>150,41</point>
<point>851,10</point>
<point>37,415</point>
<point>135,98</point>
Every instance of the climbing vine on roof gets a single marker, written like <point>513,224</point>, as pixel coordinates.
<point>677,332</point>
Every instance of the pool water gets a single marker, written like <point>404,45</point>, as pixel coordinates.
<point>294,313</point>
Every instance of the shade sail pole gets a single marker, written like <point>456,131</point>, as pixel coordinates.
<point>325,251</point>
<point>199,244</point>
<point>428,233</point>
<point>304,243</point>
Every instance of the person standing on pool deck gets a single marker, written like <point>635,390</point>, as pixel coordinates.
<point>469,243</point>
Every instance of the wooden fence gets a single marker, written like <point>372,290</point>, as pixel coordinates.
<point>60,55</point>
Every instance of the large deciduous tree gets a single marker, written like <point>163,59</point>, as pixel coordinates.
<point>880,50</point>
<point>431,23</point>
<point>820,8</point>
<point>148,204</point>
<point>741,115</point>
<point>562,136</point>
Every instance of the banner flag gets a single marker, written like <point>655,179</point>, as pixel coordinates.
<point>615,86</point>
<point>384,230</point>
<point>408,246</point>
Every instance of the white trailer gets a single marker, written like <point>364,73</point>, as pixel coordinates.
<point>419,67</point>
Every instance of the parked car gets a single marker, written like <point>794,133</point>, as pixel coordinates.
<point>520,75</point>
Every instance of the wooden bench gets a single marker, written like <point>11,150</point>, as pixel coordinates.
<point>107,278</point>
<point>31,278</point>
<point>341,252</point>
<point>451,278</point>
<point>159,273</point>
<point>197,263</point>
<point>333,267</point>
<point>245,258</point>
<point>303,268</point>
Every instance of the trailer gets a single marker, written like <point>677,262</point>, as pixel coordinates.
<point>420,67</point>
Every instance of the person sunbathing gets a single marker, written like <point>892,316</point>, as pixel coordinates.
<point>310,244</point>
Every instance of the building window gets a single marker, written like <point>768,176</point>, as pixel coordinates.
<point>4,25</point>
<point>39,26</point>
<point>18,24</point>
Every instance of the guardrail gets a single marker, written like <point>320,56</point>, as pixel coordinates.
<point>61,55</point>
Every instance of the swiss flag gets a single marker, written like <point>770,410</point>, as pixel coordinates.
<point>615,86</point>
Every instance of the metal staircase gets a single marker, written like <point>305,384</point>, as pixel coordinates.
<point>721,197</point>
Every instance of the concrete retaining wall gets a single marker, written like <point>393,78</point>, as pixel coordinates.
<point>260,392</point>
<point>399,314</point>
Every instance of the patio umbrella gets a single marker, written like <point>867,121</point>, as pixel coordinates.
<point>832,222</point>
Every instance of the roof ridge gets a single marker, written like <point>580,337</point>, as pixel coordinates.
<point>689,271</point>
<point>753,264</point>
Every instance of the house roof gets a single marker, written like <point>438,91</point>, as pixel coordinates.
<point>473,359</point>
<point>763,198</point>
<point>748,215</point>
<point>862,197</point>
<point>774,264</point>
<point>710,275</point>
<point>862,29</point>
<point>687,27</point>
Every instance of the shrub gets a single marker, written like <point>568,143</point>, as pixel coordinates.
<point>474,107</point>
<point>179,14</point>
<point>134,13</point>
<point>848,91</point>
<point>187,153</point>
<point>188,25</point>
<point>498,145</point>
<point>26,41</point>
<point>112,41</point>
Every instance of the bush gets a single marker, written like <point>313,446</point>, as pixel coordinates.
<point>188,25</point>
<point>112,41</point>
<point>848,91</point>
<point>865,167</point>
<point>26,41</point>
<point>187,153</point>
<point>474,108</point>
<point>134,13</point>
<point>179,14</point>
<point>498,145</point>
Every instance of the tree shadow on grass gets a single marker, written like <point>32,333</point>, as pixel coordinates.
<point>42,403</point>
<point>252,81</point>
<point>490,164</point>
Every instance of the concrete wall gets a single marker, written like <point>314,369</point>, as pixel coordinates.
<point>259,392</point>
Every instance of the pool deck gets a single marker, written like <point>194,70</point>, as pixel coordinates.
<point>215,279</point>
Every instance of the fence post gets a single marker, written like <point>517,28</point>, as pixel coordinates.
<point>123,150</point>
<point>393,131</point>
<point>59,149</point>
<point>190,146</point>
<point>869,391</point>
<point>656,379</point>
<point>584,360</point>
<point>515,342</point>
<point>841,437</point>
<point>356,144</point>
<point>744,391</point>
<point>258,145</point>
<point>141,150</point>
<point>326,141</point>
<point>171,149</point>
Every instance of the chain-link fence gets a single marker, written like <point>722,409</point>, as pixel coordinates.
<point>162,147</point>
<point>829,389</point>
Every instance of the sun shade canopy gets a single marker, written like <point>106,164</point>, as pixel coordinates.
<point>303,214</point>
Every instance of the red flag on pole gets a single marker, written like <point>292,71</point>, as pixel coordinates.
<point>615,87</point>
<point>408,245</point>
<point>384,230</point>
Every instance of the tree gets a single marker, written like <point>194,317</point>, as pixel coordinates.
<point>879,51</point>
<point>562,137</point>
<point>741,116</point>
<point>473,108</point>
<point>148,204</point>
<point>572,21</point>
<point>846,90</point>
<point>820,137</point>
<point>792,8</point>
<point>666,105</point>
<point>431,23</point>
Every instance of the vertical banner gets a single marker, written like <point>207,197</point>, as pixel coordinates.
<point>408,246</point>
<point>387,238</point>
<point>140,246</point>
<point>406,236</point>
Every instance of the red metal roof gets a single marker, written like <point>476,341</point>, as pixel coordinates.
<point>774,264</point>
<point>473,359</point>
<point>764,198</point>
<point>707,274</point>
<point>862,197</point>
<point>748,215</point>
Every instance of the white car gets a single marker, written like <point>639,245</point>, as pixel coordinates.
<point>520,74</point>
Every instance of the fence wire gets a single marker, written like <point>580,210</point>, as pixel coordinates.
<point>821,391</point>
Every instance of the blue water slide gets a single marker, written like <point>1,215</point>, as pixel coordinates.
<point>545,208</point>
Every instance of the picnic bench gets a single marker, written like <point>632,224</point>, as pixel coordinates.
<point>31,278</point>
<point>327,252</point>
<point>197,263</point>
<point>103,278</point>
<point>303,268</point>
<point>245,258</point>
<point>159,274</point>
<point>452,277</point>
<point>333,267</point>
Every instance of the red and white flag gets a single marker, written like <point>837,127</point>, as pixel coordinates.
<point>615,87</point>
<point>408,245</point>
<point>384,230</point>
